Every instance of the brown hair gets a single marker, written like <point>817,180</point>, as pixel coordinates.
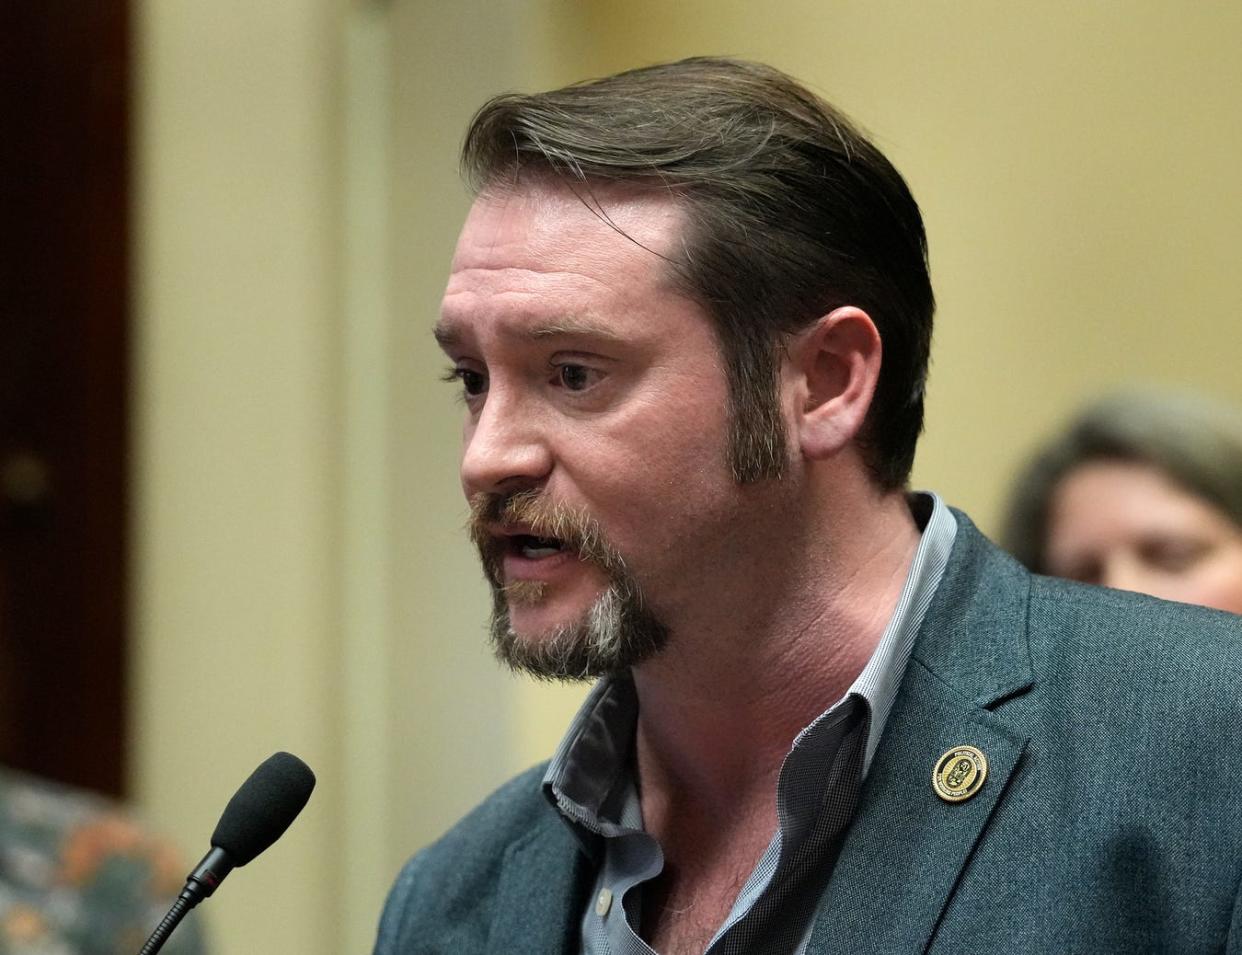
<point>792,212</point>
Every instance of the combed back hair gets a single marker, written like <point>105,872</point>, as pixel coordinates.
<point>1195,442</point>
<point>791,212</point>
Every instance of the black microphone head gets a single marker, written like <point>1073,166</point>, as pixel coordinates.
<point>261,810</point>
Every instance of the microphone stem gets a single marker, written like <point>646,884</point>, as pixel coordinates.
<point>199,885</point>
<point>170,922</point>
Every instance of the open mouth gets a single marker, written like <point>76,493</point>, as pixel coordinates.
<point>535,548</point>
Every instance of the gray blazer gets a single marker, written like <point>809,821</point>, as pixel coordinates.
<point>1110,820</point>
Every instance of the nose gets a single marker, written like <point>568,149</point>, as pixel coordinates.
<point>506,447</point>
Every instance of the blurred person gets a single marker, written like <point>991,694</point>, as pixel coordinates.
<point>689,316</point>
<point>79,876</point>
<point>1141,491</point>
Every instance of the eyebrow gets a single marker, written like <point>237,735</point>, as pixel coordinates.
<point>448,333</point>
<point>445,334</point>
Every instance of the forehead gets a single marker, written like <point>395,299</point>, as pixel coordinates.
<point>1105,498</point>
<point>542,250</point>
<point>541,218</point>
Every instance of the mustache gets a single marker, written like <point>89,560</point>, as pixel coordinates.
<point>573,527</point>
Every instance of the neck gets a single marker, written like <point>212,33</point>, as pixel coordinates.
<point>763,656</point>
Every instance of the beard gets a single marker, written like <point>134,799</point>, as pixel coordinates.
<point>615,633</point>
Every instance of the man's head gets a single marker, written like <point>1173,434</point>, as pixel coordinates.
<point>790,213</point>
<point>660,304</point>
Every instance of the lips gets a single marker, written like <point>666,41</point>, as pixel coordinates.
<point>530,557</point>
<point>524,536</point>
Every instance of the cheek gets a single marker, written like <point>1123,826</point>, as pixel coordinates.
<point>659,503</point>
<point>1217,582</point>
<point>673,451</point>
<point>657,498</point>
<point>654,473</point>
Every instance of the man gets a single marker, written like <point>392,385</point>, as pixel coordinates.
<point>690,316</point>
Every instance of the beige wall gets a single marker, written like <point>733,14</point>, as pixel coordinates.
<point>303,582</point>
<point>237,472</point>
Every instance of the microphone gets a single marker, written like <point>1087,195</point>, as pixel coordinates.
<point>257,815</point>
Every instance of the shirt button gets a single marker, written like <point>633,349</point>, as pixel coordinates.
<point>603,902</point>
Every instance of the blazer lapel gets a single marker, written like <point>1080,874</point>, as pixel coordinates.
<point>907,848</point>
<point>541,895</point>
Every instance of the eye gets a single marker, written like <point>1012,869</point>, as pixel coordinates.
<point>473,383</point>
<point>1174,555</point>
<point>573,377</point>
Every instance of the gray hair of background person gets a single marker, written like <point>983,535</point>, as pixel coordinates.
<point>1195,442</point>
<point>791,213</point>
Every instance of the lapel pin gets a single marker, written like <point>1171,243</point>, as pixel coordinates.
<point>959,773</point>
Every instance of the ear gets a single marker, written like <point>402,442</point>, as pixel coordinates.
<point>834,366</point>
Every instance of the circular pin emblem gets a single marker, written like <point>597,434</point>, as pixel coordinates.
<point>959,773</point>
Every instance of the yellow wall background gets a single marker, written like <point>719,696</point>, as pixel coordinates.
<point>303,583</point>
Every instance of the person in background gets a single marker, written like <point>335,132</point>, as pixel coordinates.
<point>1141,492</point>
<point>78,876</point>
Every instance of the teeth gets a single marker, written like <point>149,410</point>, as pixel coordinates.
<point>537,548</point>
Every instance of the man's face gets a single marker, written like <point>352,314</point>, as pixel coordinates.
<point>596,425</point>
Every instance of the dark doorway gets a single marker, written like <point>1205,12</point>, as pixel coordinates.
<point>64,198</point>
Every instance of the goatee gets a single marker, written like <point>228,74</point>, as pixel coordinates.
<point>617,632</point>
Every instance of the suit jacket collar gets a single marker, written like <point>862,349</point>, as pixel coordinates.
<point>907,848</point>
<point>542,893</point>
<point>974,635</point>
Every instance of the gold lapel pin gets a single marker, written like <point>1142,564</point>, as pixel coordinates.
<point>959,773</point>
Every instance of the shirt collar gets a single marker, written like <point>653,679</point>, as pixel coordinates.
<point>878,682</point>
<point>592,759</point>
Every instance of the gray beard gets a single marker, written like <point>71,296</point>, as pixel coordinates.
<point>616,633</point>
